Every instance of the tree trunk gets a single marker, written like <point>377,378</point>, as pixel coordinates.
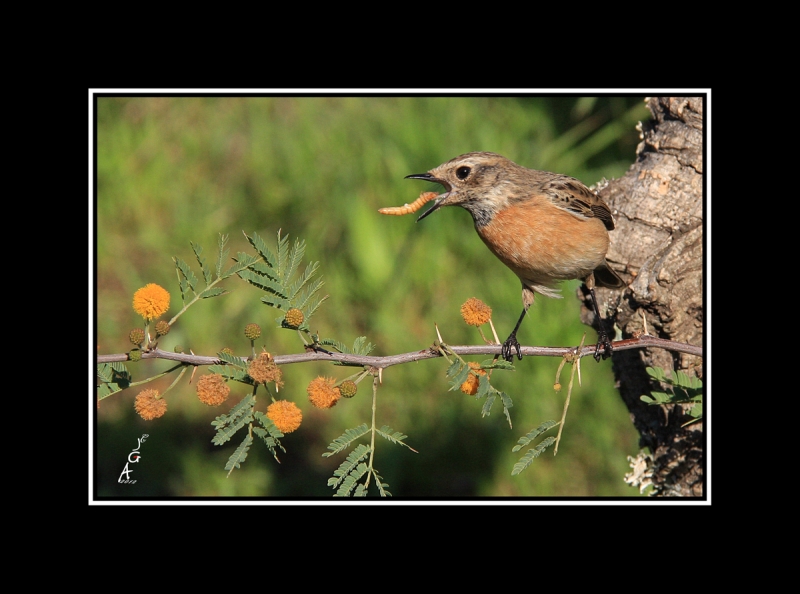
<point>658,249</point>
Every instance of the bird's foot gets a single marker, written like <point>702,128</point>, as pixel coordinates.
<point>603,348</point>
<point>509,346</point>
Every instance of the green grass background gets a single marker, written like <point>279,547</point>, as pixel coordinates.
<point>171,170</point>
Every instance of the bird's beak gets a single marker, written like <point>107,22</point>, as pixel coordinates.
<point>439,199</point>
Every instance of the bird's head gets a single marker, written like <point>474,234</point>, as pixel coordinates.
<point>475,181</point>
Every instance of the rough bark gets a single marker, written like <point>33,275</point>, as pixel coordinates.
<point>658,249</point>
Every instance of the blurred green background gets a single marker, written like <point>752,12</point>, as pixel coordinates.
<point>171,170</point>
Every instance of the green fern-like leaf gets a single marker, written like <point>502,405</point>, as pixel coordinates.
<point>297,286</point>
<point>115,372</point>
<point>309,302</point>
<point>507,404</point>
<point>275,275</point>
<point>113,377</point>
<point>242,262</point>
<point>239,416</point>
<point>188,281</point>
<point>682,389</point>
<point>198,253</point>
<point>106,390</point>
<point>283,254</point>
<point>484,387</point>
<point>394,436</point>
<point>533,434</point>
<point>271,428</point>
<point>240,455</point>
<point>262,281</point>
<point>360,347</point>
<point>526,460</point>
<point>232,373</point>
<point>223,253</point>
<point>105,373</point>
<point>269,433</point>
<point>332,342</point>
<point>382,487</point>
<point>656,373</point>
<point>270,442</point>
<point>343,441</point>
<point>212,292</point>
<point>262,249</point>
<point>346,467</point>
<point>292,262</point>
<point>277,302</point>
<point>487,406</point>
<point>235,368</point>
<point>345,487</point>
<point>681,379</point>
<point>228,431</point>
<point>351,479</point>
<point>491,393</point>
<point>499,364</point>
<point>232,360</point>
<point>121,372</point>
<point>457,375</point>
<point>454,368</point>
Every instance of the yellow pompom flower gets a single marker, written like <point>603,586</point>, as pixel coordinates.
<point>322,393</point>
<point>263,370</point>
<point>149,405</point>
<point>212,389</point>
<point>348,388</point>
<point>475,312</point>
<point>294,317</point>
<point>470,385</point>
<point>151,301</point>
<point>252,331</point>
<point>136,336</point>
<point>286,416</point>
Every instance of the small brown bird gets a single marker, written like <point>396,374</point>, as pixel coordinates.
<point>544,226</point>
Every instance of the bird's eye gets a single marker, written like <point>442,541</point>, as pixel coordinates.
<point>462,172</point>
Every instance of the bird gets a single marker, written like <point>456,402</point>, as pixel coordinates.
<point>546,227</point>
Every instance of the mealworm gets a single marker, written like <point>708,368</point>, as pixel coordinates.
<point>409,208</point>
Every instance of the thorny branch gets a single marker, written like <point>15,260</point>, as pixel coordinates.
<point>644,341</point>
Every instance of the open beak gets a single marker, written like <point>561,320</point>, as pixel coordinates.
<point>439,199</point>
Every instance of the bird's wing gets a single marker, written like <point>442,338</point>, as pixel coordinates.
<point>571,195</point>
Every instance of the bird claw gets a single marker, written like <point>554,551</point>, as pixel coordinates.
<point>604,344</point>
<point>511,343</point>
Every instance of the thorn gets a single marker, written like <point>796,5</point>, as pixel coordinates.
<point>438,333</point>
<point>494,332</point>
<point>380,375</point>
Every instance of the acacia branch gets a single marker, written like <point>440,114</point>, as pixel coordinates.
<point>644,341</point>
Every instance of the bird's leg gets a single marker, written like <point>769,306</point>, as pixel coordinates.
<point>512,342</point>
<point>602,336</point>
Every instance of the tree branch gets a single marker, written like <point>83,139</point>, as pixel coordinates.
<point>644,341</point>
